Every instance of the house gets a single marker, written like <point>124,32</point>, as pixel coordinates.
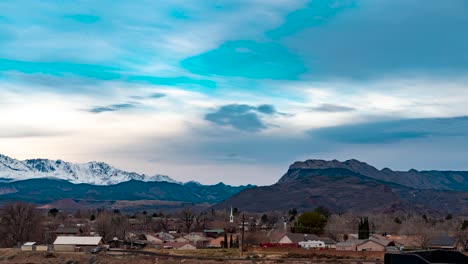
<point>349,245</point>
<point>443,242</point>
<point>153,239</point>
<point>370,245</point>
<point>69,231</point>
<point>291,238</point>
<point>375,243</point>
<point>179,246</point>
<point>165,237</point>
<point>404,241</point>
<point>216,243</point>
<point>181,240</point>
<point>329,243</point>
<point>28,246</point>
<point>213,232</point>
<point>219,242</point>
<point>76,243</point>
<point>196,239</point>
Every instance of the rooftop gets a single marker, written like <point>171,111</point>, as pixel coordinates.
<point>77,240</point>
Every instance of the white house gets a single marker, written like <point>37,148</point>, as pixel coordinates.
<point>76,243</point>
<point>312,244</point>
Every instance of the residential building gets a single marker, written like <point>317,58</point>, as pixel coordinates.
<point>77,243</point>
<point>28,246</point>
<point>179,246</point>
<point>291,238</point>
<point>443,242</point>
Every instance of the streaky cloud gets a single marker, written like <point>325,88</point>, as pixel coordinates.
<point>333,108</point>
<point>111,108</point>
<point>386,132</point>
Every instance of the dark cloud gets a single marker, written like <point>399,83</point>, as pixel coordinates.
<point>332,108</point>
<point>381,38</point>
<point>241,116</point>
<point>266,109</point>
<point>394,131</point>
<point>157,95</point>
<point>111,108</point>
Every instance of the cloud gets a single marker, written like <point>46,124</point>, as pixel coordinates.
<point>50,73</point>
<point>316,13</point>
<point>374,40</point>
<point>332,108</point>
<point>248,59</point>
<point>60,69</point>
<point>29,132</point>
<point>157,95</point>
<point>111,108</point>
<point>173,81</point>
<point>386,132</point>
<point>241,116</point>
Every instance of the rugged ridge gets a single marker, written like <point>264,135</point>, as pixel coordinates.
<point>354,186</point>
<point>437,180</point>
<point>97,173</point>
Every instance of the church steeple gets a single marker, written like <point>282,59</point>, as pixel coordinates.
<point>231,217</point>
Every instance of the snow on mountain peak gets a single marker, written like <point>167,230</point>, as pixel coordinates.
<point>98,173</point>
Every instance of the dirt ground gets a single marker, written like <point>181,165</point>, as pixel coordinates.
<point>16,256</point>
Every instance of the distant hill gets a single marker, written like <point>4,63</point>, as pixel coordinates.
<point>47,191</point>
<point>438,180</point>
<point>97,173</point>
<point>354,186</point>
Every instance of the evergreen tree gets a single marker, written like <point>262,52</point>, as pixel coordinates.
<point>225,240</point>
<point>363,229</point>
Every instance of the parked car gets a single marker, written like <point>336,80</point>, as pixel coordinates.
<point>95,250</point>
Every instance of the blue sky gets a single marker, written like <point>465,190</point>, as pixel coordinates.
<point>235,91</point>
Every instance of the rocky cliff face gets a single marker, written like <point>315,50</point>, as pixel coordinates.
<point>354,186</point>
<point>437,180</point>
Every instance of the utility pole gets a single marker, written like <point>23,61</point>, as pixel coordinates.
<point>241,246</point>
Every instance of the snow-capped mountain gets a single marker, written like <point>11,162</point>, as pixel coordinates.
<point>97,173</point>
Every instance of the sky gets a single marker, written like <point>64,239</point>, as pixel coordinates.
<point>235,91</point>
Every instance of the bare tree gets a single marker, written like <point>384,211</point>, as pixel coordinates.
<point>104,226</point>
<point>111,225</point>
<point>423,236</point>
<point>20,222</point>
<point>164,224</point>
<point>188,218</point>
<point>462,237</point>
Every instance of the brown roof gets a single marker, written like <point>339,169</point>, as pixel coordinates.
<point>382,240</point>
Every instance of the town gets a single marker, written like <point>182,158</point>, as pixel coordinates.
<point>228,233</point>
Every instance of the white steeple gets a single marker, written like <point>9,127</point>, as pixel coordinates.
<point>231,217</point>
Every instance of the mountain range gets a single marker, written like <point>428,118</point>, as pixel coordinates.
<point>97,173</point>
<point>68,185</point>
<point>354,186</point>
<point>349,186</point>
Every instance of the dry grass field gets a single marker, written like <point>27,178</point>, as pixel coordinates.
<point>173,256</point>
